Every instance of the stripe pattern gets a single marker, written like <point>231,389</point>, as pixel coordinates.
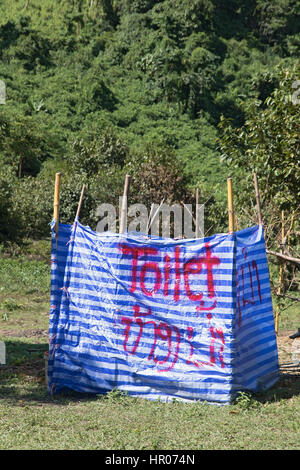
<point>160,318</point>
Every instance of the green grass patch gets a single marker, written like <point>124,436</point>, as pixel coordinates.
<point>30,419</point>
<point>24,276</point>
<point>289,315</point>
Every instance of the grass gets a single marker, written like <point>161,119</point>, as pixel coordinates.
<point>29,419</point>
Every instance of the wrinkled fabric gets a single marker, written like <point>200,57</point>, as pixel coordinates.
<point>161,318</point>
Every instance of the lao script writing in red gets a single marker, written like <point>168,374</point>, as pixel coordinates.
<point>173,337</point>
<point>248,285</point>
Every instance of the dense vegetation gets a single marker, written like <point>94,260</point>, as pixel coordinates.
<point>159,89</point>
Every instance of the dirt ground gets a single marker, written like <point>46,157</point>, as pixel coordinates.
<point>287,348</point>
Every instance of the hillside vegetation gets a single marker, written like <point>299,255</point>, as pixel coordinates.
<point>98,88</point>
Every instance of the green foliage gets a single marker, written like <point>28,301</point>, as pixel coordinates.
<point>92,85</point>
<point>32,203</point>
<point>245,401</point>
<point>7,222</point>
<point>268,144</point>
<point>23,146</point>
<point>99,152</point>
<point>278,19</point>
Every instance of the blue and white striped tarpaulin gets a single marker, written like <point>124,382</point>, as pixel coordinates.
<point>161,318</point>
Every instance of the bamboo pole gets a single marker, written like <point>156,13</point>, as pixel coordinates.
<point>280,273</point>
<point>230,205</point>
<point>56,201</point>
<point>80,202</point>
<point>197,215</point>
<point>258,204</point>
<point>123,216</point>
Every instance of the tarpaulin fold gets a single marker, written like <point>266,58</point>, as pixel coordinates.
<point>161,318</point>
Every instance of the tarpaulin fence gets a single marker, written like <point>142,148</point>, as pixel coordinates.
<point>161,318</point>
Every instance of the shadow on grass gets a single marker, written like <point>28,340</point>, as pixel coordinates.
<point>22,380</point>
<point>288,386</point>
<point>25,383</point>
<point>19,352</point>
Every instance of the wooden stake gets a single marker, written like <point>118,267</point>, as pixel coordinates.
<point>280,272</point>
<point>80,202</point>
<point>123,216</point>
<point>197,215</point>
<point>56,201</point>
<point>257,195</point>
<point>230,205</point>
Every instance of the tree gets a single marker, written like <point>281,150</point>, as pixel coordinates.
<point>92,153</point>
<point>23,145</point>
<point>269,144</point>
<point>156,175</point>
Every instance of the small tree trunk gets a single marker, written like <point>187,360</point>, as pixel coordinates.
<point>20,167</point>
